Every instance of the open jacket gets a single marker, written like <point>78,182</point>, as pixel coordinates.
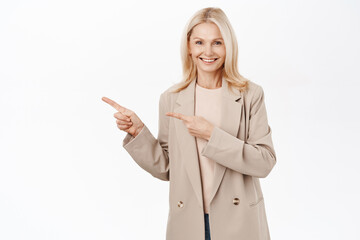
<point>242,149</point>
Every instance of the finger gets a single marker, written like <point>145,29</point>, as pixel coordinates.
<point>123,127</point>
<point>179,116</point>
<point>120,122</point>
<point>113,104</point>
<point>176,115</point>
<point>122,117</point>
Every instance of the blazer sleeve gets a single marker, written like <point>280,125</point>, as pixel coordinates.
<point>256,155</point>
<point>150,153</point>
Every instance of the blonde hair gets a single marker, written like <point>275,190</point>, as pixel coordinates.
<point>230,68</point>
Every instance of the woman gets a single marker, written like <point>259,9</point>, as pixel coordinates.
<point>214,141</point>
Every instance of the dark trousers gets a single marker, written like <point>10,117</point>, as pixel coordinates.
<point>207,227</point>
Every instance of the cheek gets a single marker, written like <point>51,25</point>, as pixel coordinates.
<point>222,52</point>
<point>194,58</point>
<point>196,54</point>
<point>223,55</point>
<point>195,50</point>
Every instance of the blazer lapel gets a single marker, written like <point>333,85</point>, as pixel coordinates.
<point>231,108</point>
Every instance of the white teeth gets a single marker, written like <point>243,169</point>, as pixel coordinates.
<point>206,60</point>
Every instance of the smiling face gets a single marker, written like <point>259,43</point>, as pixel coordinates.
<point>206,47</point>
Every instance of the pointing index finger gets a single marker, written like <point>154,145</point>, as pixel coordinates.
<point>113,104</point>
<point>176,115</point>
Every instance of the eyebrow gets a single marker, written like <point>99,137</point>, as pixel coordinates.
<point>203,39</point>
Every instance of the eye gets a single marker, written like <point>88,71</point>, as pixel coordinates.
<point>219,43</point>
<point>197,42</point>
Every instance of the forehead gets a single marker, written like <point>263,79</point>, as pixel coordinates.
<point>206,31</point>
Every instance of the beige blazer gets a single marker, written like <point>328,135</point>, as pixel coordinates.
<point>242,149</point>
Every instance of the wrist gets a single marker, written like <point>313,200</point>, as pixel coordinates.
<point>210,132</point>
<point>138,130</point>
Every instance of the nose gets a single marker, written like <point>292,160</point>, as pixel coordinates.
<point>208,50</point>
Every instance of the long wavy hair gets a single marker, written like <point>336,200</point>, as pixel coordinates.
<point>230,67</point>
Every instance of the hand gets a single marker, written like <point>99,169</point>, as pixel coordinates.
<point>127,120</point>
<point>197,126</point>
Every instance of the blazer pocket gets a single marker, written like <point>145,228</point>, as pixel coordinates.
<point>257,202</point>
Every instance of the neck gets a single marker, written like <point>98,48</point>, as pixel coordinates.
<point>209,80</point>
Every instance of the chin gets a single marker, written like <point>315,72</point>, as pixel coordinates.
<point>209,70</point>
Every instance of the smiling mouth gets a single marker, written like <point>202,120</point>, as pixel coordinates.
<point>207,60</point>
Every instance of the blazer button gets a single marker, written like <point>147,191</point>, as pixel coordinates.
<point>180,204</point>
<point>236,201</point>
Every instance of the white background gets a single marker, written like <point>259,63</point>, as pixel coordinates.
<point>63,171</point>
